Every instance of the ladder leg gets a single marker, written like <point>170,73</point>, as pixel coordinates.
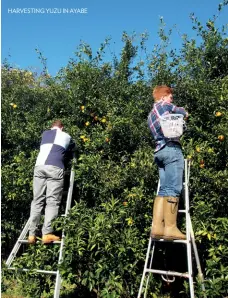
<point>57,285</point>
<point>58,276</point>
<point>17,244</point>
<point>61,251</point>
<point>148,276</point>
<point>70,191</point>
<point>145,267</point>
<point>189,248</point>
<point>190,271</point>
<point>200,273</point>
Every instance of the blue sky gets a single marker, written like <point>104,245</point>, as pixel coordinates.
<point>57,35</point>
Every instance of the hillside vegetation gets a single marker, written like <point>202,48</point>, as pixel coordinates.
<point>104,106</point>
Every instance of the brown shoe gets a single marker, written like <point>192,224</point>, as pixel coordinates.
<point>32,239</point>
<point>49,238</point>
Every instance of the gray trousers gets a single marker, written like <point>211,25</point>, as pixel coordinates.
<point>47,187</point>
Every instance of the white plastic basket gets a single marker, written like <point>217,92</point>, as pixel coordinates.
<point>172,125</point>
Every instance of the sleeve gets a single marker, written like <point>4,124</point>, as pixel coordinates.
<point>174,109</point>
<point>70,152</point>
<point>72,147</point>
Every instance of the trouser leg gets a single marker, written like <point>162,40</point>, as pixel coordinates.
<point>162,177</point>
<point>174,169</point>
<point>53,199</point>
<point>39,189</point>
<point>170,161</point>
<point>174,182</point>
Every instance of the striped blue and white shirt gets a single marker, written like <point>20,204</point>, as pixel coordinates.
<point>53,147</point>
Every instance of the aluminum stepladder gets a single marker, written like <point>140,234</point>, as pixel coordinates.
<point>190,242</point>
<point>22,237</point>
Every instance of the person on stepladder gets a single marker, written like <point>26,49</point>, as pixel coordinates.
<point>48,180</point>
<point>170,161</point>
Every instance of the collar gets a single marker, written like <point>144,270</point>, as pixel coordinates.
<point>159,101</point>
<point>56,127</point>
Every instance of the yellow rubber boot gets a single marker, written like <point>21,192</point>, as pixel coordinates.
<point>170,217</point>
<point>158,218</point>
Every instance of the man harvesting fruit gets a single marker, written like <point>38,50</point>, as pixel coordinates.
<point>48,180</point>
<point>170,161</point>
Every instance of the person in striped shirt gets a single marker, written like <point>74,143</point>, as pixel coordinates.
<point>170,161</point>
<point>48,180</point>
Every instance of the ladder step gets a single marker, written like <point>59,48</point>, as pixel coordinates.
<point>39,271</point>
<point>182,211</point>
<point>167,240</point>
<point>26,242</point>
<point>172,273</point>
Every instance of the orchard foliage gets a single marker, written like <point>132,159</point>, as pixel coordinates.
<point>104,106</point>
